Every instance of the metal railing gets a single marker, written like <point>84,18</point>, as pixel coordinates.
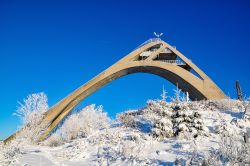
<point>176,62</point>
<point>149,41</point>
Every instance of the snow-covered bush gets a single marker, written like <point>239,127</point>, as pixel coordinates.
<point>31,113</point>
<point>129,152</point>
<point>225,127</point>
<point>83,123</point>
<point>10,152</point>
<point>54,140</point>
<point>132,150</point>
<point>180,162</point>
<point>128,119</point>
<point>107,155</point>
<point>220,105</point>
<point>245,107</point>
<point>232,151</point>
<point>193,160</point>
<point>74,150</point>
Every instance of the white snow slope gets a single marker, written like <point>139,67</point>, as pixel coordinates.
<point>135,139</point>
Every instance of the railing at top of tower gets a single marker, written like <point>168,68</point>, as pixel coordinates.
<point>149,41</point>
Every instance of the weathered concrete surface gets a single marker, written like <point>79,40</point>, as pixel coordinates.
<point>198,88</point>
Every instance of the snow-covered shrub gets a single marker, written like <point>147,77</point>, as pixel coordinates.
<point>193,160</point>
<point>132,150</point>
<point>123,144</point>
<point>83,123</point>
<point>31,113</point>
<point>107,155</point>
<point>220,105</point>
<point>180,162</point>
<point>74,150</point>
<point>186,121</point>
<point>232,151</point>
<point>10,152</point>
<point>225,127</point>
<point>54,140</point>
<point>245,107</point>
<point>128,119</point>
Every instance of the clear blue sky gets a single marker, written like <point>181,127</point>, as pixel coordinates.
<point>54,47</point>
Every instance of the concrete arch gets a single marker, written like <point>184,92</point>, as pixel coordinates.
<point>199,88</point>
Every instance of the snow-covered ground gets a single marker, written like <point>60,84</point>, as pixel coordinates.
<point>154,135</point>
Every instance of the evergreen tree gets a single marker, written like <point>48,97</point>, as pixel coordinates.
<point>182,120</point>
<point>163,128</point>
<point>186,121</point>
<point>198,127</point>
<point>162,122</point>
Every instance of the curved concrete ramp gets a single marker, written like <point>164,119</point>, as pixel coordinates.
<point>155,57</point>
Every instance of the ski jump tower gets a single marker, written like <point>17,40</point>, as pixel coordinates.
<point>153,56</point>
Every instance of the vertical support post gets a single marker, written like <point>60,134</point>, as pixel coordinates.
<point>239,92</point>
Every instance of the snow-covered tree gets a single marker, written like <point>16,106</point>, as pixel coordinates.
<point>187,96</point>
<point>159,107</point>
<point>159,113</point>
<point>182,120</point>
<point>186,121</point>
<point>198,127</point>
<point>164,94</point>
<point>163,128</point>
<point>32,109</point>
<point>177,95</point>
<point>31,112</point>
<point>83,123</point>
